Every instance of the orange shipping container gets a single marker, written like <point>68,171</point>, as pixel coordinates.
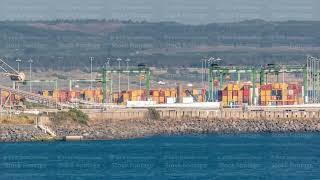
<point>173,93</point>
<point>161,100</point>
<point>156,99</point>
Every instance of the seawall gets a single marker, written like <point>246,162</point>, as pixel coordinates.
<point>140,114</point>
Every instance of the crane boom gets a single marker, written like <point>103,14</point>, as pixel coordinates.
<point>11,72</point>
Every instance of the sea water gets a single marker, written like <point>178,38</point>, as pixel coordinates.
<point>244,156</point>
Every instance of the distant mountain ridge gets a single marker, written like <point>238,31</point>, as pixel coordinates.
<point>164,43</point>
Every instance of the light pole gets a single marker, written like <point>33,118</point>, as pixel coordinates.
<point>14,83</point>
<point>119,88</point>
<point>127,61</point>
<point>18,61</point>
<point>205,69</point>
<point>202,72</point>
<point>210,61</point>
<point>107,63</point>
<point>91,59</point>
<point>30,74</point>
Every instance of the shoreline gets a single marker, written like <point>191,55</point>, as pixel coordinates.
<point>133,129</point>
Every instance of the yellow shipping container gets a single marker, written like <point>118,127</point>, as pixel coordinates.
<point>268,92</point>
<point>156,93</point>
<point>167,93</point>
<point>283,86</point>
<point>285,98</point>
<point>125,96</point>
<point>224,98</point>
<point>140,92</point>
<point>276,86</point>
<point>173,93</point>
<point>55,93</point>
<point>235,98</point>
<point>98,91</point>
<point>284,92</point>
<point>268,98</point>
<point>195,92</point>
<point>88,93</point>
<point>45,93</point>
<point>134,93</point>
<point>236,87</point>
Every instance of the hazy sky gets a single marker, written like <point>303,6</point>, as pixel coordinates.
<point>184,11</point>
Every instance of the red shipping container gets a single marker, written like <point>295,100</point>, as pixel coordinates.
<point>203,91</point>
<point>269,87</point>
<point>234,93</point>
<point>290,97</point>
<point>224,93</point>
<point>246,92</point>
<point>290,103</point>
<point>246,87</point>
<point>162,93</point>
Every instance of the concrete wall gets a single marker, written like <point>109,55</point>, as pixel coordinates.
<point>136,114</point>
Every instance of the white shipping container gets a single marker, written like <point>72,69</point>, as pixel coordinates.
<point>290,92</point>
<point>171,100</point>
<point>140,103</point>
<point>187,100</point>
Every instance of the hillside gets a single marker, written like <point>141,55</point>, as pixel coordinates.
<point>69,43</point>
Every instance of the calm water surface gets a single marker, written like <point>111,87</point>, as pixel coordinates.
<point>270,156</point>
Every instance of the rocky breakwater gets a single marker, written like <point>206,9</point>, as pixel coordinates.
<point>15,133</point>
<point>125,129</point>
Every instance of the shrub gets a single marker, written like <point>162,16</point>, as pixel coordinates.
<point>153,113</point>
<point>72,115</point>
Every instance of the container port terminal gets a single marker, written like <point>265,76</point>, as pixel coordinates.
<point>228,99</point>
<point>224,87</point>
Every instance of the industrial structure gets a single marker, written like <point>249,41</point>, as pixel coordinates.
<point>257,74</point>
<point>258,89</point>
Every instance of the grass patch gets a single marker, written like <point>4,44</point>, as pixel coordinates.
<point>16,120</point>
<point>73,115</point>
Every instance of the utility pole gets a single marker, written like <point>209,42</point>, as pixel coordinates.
<point>30,74</point>
<point>119,88</point>
<point>91,59</point>
<point>127,61</point>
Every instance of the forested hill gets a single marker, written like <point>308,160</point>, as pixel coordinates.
<point>68,44</point>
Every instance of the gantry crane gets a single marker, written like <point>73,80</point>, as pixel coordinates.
<point>11,72</point>
<point>216,71</point>
<point>107,77</point>
<point>18,77</point>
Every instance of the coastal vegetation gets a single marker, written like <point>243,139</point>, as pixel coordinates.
<point>14,119</point>
<point>153,114</point>
<point>72,115</point>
